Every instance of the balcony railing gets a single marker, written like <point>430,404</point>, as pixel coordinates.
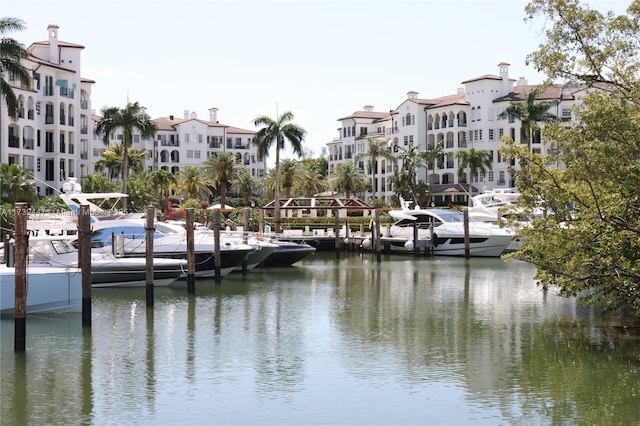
<point>27,143</point>
<point>84,104</point>
<point>84,130</point>
<point>48,119</point>
<point>84,155</point>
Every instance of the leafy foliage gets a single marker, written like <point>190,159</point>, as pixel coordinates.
<point>588,243</point>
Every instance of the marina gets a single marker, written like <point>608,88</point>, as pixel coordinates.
<point>434,341</point>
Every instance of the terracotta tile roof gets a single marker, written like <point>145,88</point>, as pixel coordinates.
<point>485,77</point>
<point>60,43</point>
<point>236,130</point>
<point>49,64</point>
<point>166,123</point>
<point>520,93</point>
<point>455,99</point>
<point>368,115</point>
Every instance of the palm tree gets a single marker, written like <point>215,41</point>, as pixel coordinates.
<point>244,184</point>
<point>377,149</point>
<point>11,55</point>
<point>113,160</point>
<point>97,183</point>
<point>477,160</point>
<point>163,181</point>
<point>530,113</point>
<point>16,183</point>
<point>431,155</point>
<point>193,182</point>
<point>347,177</point>
<point>279,131</point>
<point>221,169</point>
<point>313,181</point>
<point>130,118</point>
<point>412,159</point>
<point>291,175</point>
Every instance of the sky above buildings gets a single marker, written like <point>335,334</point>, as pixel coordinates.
<point>322,60</point>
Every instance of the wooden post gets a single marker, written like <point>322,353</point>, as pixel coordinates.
<point>20,268</point>
<point>245,235</point>
<point>336,229</point>
<point>466,233</point>
<point>149,228</point>
<point>84,260</point>
<point>191,261</point>
<point>378,239</point>
<point>416,249</point>
<point>216,241</point>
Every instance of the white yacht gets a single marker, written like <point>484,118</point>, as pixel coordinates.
<point>445,229</point>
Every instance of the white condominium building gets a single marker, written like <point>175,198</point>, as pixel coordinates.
<point>52,134</point>
<point>469,118</point>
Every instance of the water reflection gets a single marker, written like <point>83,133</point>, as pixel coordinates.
<point>404,341</point>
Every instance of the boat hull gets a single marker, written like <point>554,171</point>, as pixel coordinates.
<point>50,290</point>
<point>287,254</point>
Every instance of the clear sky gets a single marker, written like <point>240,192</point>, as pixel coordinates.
<point>322,60</point>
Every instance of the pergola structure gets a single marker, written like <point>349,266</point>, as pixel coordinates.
<point>311,205</point>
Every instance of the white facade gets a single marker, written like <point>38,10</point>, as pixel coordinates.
<point>466,119</point>
<point>189,141</point>
<point>52,133</point>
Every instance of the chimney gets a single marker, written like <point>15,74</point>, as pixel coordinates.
<point>460,90</point>
<point>186,114</point>
<point>193,115</point>
<point>521,81</point>
<point>368,108</point>
<point>412,94</point>
<point>171,117</point>
<point>213,115</point>
<point>54,53</point>
<point>504,74</point>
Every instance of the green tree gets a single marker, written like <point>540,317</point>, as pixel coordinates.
<point>530,112</point>
<point>221,168</point>
<point>588,245</point>
<point>97,183</point>
<point>131,117</point>
<point>431,155</point>
<point>313,180</point>
<point>291,175</point>
<point>347,177</point>
<point>277,132</point>
<point>11,55</point>
<point>244,184</point>
<point>376,149</point>
<point>113,160</point>
<point>16,184</point>
<point>412,159</point>
<point>163,181</point>
<point>193,182</point>
<point>477,161</point>
<point>141,192</point>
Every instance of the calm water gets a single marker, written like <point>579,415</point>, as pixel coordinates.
<point>426,341</point>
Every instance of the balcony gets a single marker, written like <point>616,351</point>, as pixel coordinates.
<point>14,141</point>
<point>84,104</point>
<point>84,130</point>
<point>84,155</point>
<point>48,119</point>
<point>27,143</point>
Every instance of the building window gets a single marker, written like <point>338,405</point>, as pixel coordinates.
<point>196,154</point>
<point>136,138</point>
<point>490,175</point>
<point>189,153</point>
<point>490,114</point>
<point>490,134</point>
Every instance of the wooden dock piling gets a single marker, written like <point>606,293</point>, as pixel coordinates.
<point>191,262</point>
<point>20,265</point>
<point>84,260</point>
<point>149,229</point>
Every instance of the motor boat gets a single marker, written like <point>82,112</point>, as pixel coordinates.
<point>287,252</point>
<point>50,289</point>
<point>107,270</point>
<point>127,238</point>
<point>261,248</point>
<point>445,229</point>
